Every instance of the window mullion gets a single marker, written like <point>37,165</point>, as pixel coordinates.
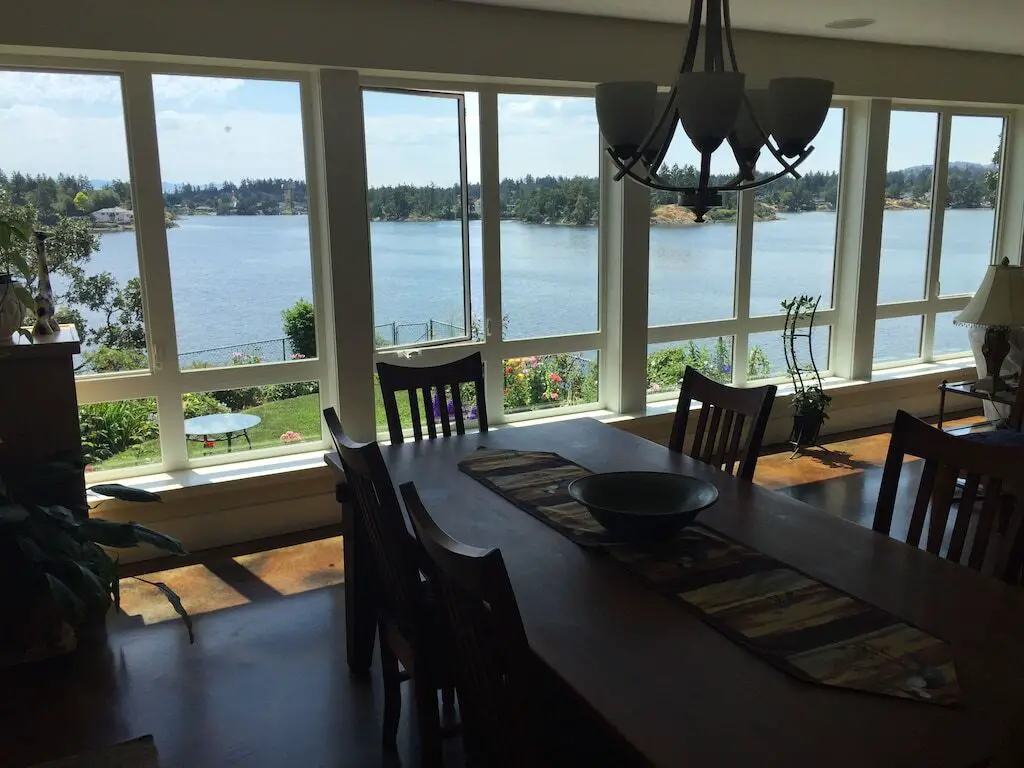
<point>154,267</point>
<point>940,191</point>
<point>744,266</point>
<point>490,237</point>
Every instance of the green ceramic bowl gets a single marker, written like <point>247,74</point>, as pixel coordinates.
<point>643,505</point>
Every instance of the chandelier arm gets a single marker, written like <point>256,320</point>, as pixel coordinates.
<point>728,41</point>
<point>713,28</point>
<point>693,39</point>
<point>765,181</point>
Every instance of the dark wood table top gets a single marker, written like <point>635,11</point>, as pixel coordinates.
<point>682,693</point>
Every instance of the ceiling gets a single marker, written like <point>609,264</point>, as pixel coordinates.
<point>979,25</point>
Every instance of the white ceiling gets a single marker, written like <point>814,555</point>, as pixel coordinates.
<point>980,25</point>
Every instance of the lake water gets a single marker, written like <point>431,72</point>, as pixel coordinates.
<point>232,276</point>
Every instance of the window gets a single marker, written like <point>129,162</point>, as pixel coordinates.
<point>934,256</point>
<point>549,209</point>
<point>666,363</point>
<point>421,207</point>
<point>118,435</point>
<point>64,169</point>
<point>794,246</point>
<point>550,381</point>
<point>766,358</point>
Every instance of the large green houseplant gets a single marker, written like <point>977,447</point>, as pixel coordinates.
<point>56,573</point>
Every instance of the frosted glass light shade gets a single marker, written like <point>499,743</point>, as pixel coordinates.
<point>999,300</point>
<point>799,106</point>
<point>661,137</point>
<point>626,113</point>
<point>746,133</point>
<point>708,104</point>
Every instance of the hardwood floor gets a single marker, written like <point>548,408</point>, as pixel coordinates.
<point>267,683</point>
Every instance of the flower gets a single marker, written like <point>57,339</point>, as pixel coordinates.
<point>208,444</point>
<point>298,356</point>
<point>554,395</point>
<point>472,414</point>
<point>88,468</point>
<point>291,437</point>
<point>521,375</point>
<point>508,369</point>
<point>237,355</point>
<point>555,378</point>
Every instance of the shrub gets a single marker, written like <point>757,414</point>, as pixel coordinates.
<point>562,379</point>
<point>201,404</point>
<point>110,359</point>
<point>110,428</point>
<point>288,391</point>
<point>300,328</point>
<point>666,366</point>
<point>246,397</point>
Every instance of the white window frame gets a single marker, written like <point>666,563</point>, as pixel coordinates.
<point>493,348</point>
<point>742,325</point>
<point>934,303</point>
<point>163,380</point>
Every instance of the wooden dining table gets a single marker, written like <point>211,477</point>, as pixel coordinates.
<point>680,692</point>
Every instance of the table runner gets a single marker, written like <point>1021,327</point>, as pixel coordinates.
<point>806,628</point>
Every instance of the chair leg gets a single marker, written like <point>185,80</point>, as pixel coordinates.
<point>428,719</point>
<point>392,693</point>
<point>448,702</point>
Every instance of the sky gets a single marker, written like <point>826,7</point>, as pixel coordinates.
<point>215,129</point>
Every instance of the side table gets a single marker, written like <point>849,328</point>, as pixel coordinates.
<point>980,389</point>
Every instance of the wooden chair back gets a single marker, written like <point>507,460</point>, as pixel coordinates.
<point>393,548</point>
<point>439,389</point>
<point>724,415</point>
<point>991,473</point>
<point>492,658</point>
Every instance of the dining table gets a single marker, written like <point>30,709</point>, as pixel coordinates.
<point>673,687</point>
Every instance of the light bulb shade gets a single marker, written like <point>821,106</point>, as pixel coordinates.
<point>660,138</point>
<point>708,104</point>
<point>625,114</point>
<point>999,300</point>
<point>746,133</point>
<point>799,106</point>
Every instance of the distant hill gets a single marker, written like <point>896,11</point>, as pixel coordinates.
<point>168,186</point>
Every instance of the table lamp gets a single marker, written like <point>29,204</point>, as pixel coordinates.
<point>998,306</point>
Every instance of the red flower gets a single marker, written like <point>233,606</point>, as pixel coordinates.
<point>554,395</point>
<point>555,378</point>
<point>208,444</point>
<point>508,369</point>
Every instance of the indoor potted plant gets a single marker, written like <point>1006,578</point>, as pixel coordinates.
<point>57,578</point>
<point>809,403</point>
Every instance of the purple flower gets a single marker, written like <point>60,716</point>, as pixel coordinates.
<point>437,408</point>
<point>472,414</point>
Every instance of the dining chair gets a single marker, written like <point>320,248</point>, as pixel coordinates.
<point>439,389</point>
<point>492,661</point>
<point>726,412</point>
<point>992,541</point>
<point>409,631</point>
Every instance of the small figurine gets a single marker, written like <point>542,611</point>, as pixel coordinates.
<point>46,323</point>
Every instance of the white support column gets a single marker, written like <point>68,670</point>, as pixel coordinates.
<point>348,231</point>
<point>741,291</point>
<point>490,241</point>
<point>154,267</point>
<point>624,243</point>
<point>859,241</point>
<point>940,193</point>
<point>1010,215</point>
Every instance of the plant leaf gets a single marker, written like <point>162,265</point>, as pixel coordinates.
<point>13,513</point>
<point>123,535</point>
<point>175,601</point>
<point>125,493</point>
<point>70,608</point>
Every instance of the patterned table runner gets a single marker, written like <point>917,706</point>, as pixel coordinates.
<point>806,628</point>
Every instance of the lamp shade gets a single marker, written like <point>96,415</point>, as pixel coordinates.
<point>999,300</point>
<point>625,113</point>
<point>799,106</point>
<point>708,104</point>
<point>660,138</point>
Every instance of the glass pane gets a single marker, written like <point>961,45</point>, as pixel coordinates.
<point>549,208</point>
<point>949,338</point>
<point>413,168</point>
<point>908,200</point>
<point>682,250</point>
<point>237,420</point>
<point>550,381</point>
<point>968,228</point>
<point>64,169</point>
<point>119,434</point>
<point>767,359</point>
<point>897,339</point>
<point>795,226</point>
<point>233,168</point>
<point>666,363</point>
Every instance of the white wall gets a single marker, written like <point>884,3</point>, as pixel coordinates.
<point>442,37</point>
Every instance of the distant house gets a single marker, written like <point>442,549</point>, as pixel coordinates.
<point>117,215</point>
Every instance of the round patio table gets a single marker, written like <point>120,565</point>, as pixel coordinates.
<point>203,429</point>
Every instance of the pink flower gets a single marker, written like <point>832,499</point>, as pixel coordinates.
<point>554,395</point>
<point>298,356</point>
<point>555,378</point>
<point>88,468</point>
<point>236,355</point>
<point>291,437</point>
<point>208,444</point>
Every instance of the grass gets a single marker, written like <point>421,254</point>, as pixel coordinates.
<point>297,414</point>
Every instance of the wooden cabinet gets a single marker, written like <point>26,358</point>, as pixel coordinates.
<point>38,403</point>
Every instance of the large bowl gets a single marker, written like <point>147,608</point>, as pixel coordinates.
<point>643,505</point>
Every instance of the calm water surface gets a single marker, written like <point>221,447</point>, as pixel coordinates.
<point>233,276</point>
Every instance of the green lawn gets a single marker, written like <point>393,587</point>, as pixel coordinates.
<point>297,414</point>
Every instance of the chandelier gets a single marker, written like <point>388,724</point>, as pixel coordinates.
<point>711,105</point>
